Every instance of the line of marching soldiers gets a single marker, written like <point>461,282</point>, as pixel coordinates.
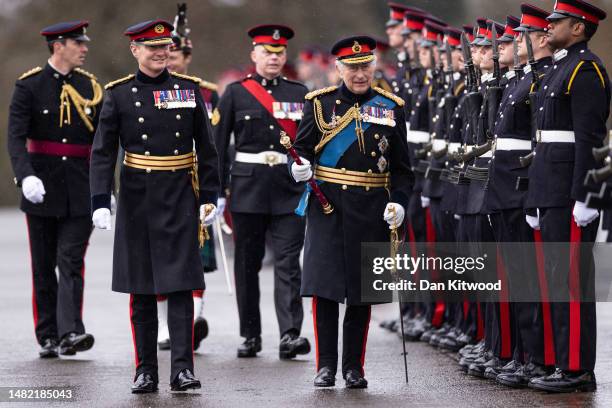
<point>502,120</point>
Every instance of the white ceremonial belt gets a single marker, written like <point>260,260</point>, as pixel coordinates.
<point>453,147</point>
<point>510,143</point>
<point>438,145</point>
<point>417,136</point>
<point>556,136</point>
<point>487,154</point>
<point>270,158</point>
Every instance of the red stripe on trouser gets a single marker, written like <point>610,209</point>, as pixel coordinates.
<point>83,277</point>
<point>430,234</point>
<point>549,344</point>
<point>365,340</point>
<point>466,309</point>
<point>192,337</point>
<point>199,293</point>
<point>574,289</point>
<point>479,323</point>
<point>161,298</point>
<point>504,311</point>
<point>137,361</point>
<point>34,304</point>
<point>316,332</point>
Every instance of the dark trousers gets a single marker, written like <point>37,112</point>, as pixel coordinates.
<point>143,316</point>
<point>354,334</point>
<point>287,238</point>
<point>574,322</point>
<point>62,243</point>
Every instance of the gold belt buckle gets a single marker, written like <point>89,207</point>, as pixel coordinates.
<point>271,159</point>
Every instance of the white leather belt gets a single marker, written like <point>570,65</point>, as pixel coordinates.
<point>487,155</point>
<point>453,147</point>
<point>438,145</point>
<point>417,136</point>
<point>555,136</point>
<point>270,158</point>
<point>510,143</point>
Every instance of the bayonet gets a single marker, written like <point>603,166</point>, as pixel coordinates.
<point>517,63</point>
<point>469,64</point>
<point>496,70</point>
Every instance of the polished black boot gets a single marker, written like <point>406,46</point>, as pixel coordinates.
<point>185,380</point>
<point>494,367</point>
<point>291,345</point>
<point>250,347</point>
<point>326,377</point>
<point>73,343</point>
<point>354,379</point>
<point>144,384</point>
<point>200,332</point>
<point>565,381</point>
<point>48,349</point>
<point>520,378</point>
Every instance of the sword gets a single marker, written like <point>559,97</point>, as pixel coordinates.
<point>515,57</point>
<point>219,233</point>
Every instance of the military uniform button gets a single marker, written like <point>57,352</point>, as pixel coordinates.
<point>367,188</point>
<point>410,91</point>
<point>134,89</point>
<point>338,102</point>
<point>178,117</point>
<point>87,110</point>
<point>344,186</point>
<point>376,136</point>
<point>144,137</point>
<point>343,170</point>
<point>138,104</point>
<point>269,91</point>
<point>552,94</point>
<point>271,127</point>
<point>176,86</point>
<point>141,119</point>
<point>148,170</point>
<point>45,111</point>
<point>542,108</point>
<point>66,121</point>
<point>369,171</point>
<point>396,89</point>
<point>56,75</point>
<point>177,134</point>
<point>272,146</point>
<point>176,152</point>
<point>147,153</point>
<point>64,158</point>
<point>373,154</point>
<point>64,140</point>
<point>418,104</point>
<point>545,86</point>
<point>247,117</point>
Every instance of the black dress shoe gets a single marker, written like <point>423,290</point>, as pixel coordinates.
<point>165,344</point>
<point>185,380</point>
<point>326,377</point>
<point>144,384</point>
<point>565,381</point>
<point>493,368</point>
<point>48,349</point>
<point>250,347</point>
<point>354,379</point>
<point>291,345</point>
<point>520,378</point>
<point>73,343</point>
<point>200,331</point>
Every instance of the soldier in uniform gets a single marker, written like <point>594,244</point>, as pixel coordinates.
<point>573,105</point>
<point>169,175</point>
<point>356,170</point>
<point>179,61</point>
<point>52,118</point>
<point>263,195</point>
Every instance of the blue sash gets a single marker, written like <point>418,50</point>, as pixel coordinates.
<point>335,148</point>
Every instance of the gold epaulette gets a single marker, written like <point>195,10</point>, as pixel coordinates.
<point>118,81</point>
<point>318,92</point>
<point>188,77</point>
<point>30,72</point>
<point>208,85</point>
<point>393,97</point>
<point>87,74</point>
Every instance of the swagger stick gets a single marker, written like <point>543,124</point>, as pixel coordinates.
<point>219,233</point>
<point>285,140</point>
<point>394,247</point>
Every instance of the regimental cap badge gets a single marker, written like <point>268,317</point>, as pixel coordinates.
<point>356,47</point>
<point>276,35</point>
<point>159,28</point>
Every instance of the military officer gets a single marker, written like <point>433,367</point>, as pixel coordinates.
<point>355,171</point>
<point>179,61</point>
<point>573,106</point>
<point>263,195</point>
<point>169,175</point>
<point>52,118</point>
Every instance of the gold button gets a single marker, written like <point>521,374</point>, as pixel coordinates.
<point>337,117</point>
<point>344,187</point>
<point>148,170</point>
<point>177,134</point>
<point>376,136</point>
<point>373,154</point>
<point>141,119</point>
<point>147,153</point>
<point>343,170</point>
<point>367,188</point>
<point>176,152</point>
<point>64,140</point>
<point>178,117</point>
<point>138,104</point>
<point>144,137</point>
<point>370,171</point>
<point>338,102</point>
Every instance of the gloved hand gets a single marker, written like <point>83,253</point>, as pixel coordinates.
<point>534,222</point>
<point>33,189</point>
<point>113,208</point>
<point>221,205</point>
<point>584,215</point>
<point>301,172</point>
<point>394,219</point>
<point>207,217</point>
<point>425,201</point>
<point>102,219</point>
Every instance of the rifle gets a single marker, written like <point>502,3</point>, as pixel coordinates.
<point>473,100</point>
<point>180,22</point>
<point>535,85</point>
<point>515,57</point>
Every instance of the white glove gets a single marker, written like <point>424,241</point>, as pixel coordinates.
<point>425,201</point>
<point>33,189</point>
<point>301,172</point>
<point>584,215</point>
<point>113,208</point>
<point>394,219</point>
<point>534,222</point>
<point>207,219</point>
<point>221,205</point>
<point>102,219</point>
